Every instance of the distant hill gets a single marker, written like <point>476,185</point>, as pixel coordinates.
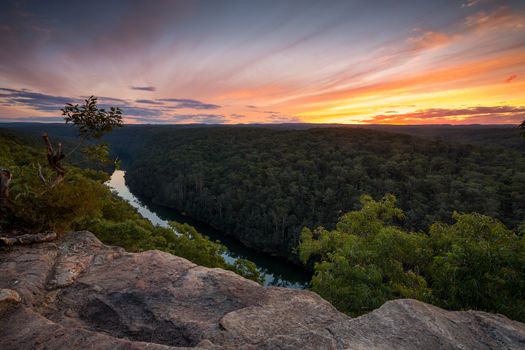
<point>485,135</point>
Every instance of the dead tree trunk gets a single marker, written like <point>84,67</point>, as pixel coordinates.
<point>54,159</point>
<point>29,238</point>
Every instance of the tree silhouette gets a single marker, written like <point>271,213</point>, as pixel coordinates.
<point>92,123</point>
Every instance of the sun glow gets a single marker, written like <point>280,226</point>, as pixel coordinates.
<point>334,63</point>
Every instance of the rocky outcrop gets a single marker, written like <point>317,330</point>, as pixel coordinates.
<point>77,293</point>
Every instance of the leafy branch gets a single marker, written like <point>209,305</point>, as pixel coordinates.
<point>92,123</point>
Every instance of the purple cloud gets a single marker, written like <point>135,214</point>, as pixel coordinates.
<point>143,88</point>
<point>237,116</point>
<point>185,119</point>
<point>150,102</point>
<point>51,103</point>
<point>188,103</point>
<point>35,100</point>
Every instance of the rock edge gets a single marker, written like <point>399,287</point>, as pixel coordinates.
<point>78,293</point>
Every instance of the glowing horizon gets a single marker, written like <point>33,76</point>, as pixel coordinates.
<point>439,62</point>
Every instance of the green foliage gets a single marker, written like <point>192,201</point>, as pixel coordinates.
<point>37,208</point>
<point>33,206</point>
<point>196,247</point>
<point>98,153</point>
<point>371,218</point>
<point>83,202</point>
<point>247,269</point>
<point>365,262</point>
<point>92,122</point>
<point>478,263</point>
<point>119,224</point>
<point>263,185</point>
<point>475,262</point>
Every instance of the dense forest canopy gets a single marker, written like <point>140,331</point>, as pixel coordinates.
<point>263,185</point>
<point>474,263</point>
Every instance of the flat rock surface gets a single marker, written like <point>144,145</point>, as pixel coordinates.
<point>76,293</point>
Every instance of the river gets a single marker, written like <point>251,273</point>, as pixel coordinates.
<point>275,270</point>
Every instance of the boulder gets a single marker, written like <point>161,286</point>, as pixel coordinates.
<point>77,293</point>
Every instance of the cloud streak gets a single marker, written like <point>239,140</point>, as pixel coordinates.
<point>52,103</point>
<point>143,88</point>
<point>429,40</point>
<point>511,78</point>
<point>150,102</point>
<point>189,104</point>
<point>472,115</point>
<point>184,119</point>
<point>35,100</point>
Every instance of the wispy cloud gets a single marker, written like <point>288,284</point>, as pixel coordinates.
<point>189,104</point>
<point>107,100</point>
<point>52,103</point>
<point>471,3</point>
<point>280,118</point>
<point>237,116</point>
<point>150,102</point>
<point>184,119</point>
<point>424,40</point>
<point>138,108</point>
<point>143,88</point>
<point>502,18</point>
<point>31,119</point>
<point>34,100</point>
<point>511,78</point>
<point>200,118</point>
<point>136,111</point>
<point>478,114</point>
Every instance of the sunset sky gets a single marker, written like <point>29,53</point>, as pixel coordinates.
<point>393,62</point>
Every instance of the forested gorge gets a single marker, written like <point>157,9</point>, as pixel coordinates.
<point>263,185</point>
<point>374,215</point>
<point>82,202</point>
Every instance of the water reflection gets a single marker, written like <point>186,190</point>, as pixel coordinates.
<point>276,271</point>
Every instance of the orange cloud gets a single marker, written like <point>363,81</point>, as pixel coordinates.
<point>429,40</point>
<point>452,75</point>
<point>511,78</point>
<point>473,115</point>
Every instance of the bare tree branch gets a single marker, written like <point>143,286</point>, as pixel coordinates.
<point>47,236</point>
<point>54,160</point>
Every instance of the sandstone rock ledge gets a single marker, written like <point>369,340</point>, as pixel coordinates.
<point>77,293</point>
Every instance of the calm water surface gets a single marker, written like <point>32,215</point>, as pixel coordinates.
<point>276,271</point>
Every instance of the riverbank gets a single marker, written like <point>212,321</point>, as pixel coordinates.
<point>276,271</point>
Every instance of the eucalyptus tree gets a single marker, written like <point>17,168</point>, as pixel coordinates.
<point>92,123</point>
